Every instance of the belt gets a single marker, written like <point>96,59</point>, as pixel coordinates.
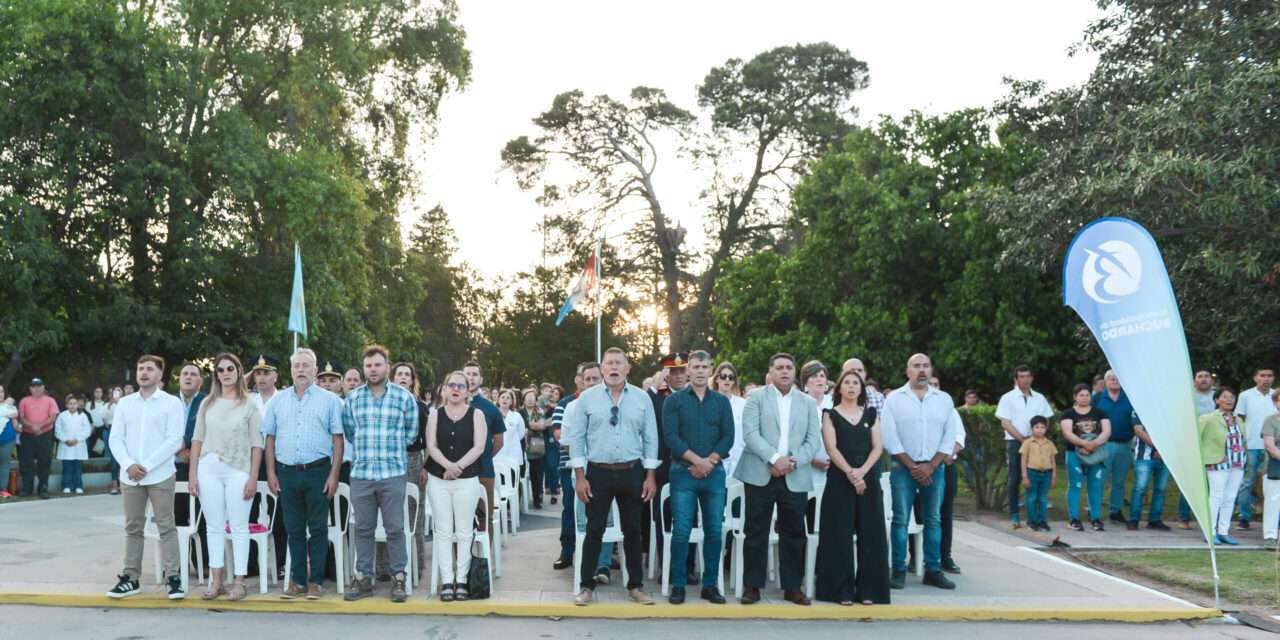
<point>322,462</point>
<point>609,466</point>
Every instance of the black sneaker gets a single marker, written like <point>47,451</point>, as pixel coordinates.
<point>1044,526</point>
<point>1076,526</point>
<point>124,588</point>
<point>1243,524</point>
<point>898,580</point>
<point>562,563</point>
<point>938,579</point>
<point>1157,525</point>
<point>1118,517</point>
<point>174,587</point>
<point>1097,525</point>
<point>677,595</point>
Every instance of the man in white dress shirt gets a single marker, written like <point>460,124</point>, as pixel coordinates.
<point>919,424</point>
<point>146,432</point>
<point>1016,409</point>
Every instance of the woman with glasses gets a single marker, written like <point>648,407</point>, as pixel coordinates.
<point>725,381</point>
<point>226,450</point>
<point>456,435</point>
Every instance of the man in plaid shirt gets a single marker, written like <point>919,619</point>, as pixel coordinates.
<point>380,420</point>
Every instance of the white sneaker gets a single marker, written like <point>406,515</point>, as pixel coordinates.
<point>79,490</point>
<point>66,490</point>
<point>584,597</point>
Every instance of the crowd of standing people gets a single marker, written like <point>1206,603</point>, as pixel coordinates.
<point>804,451</point>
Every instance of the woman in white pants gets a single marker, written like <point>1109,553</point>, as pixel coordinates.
<point>1222,448</point>
<point>456,435</point>
<point>1271,481</point>
<point>226,450</point>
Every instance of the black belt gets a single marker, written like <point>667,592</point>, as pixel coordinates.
<point>322,462</point>
<point>610,466</point>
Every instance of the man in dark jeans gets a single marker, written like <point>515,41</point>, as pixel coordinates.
<point>1016,408</point>
<point>303,428</point>
<point>613,438</point>
<point>36,415</point>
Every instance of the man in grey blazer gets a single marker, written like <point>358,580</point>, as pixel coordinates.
<point>781,432</point>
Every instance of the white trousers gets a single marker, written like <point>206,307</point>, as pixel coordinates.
<point>1223,486</point>
<point>453,512</point>
<point>1270,508</point>
<point>222,501</point>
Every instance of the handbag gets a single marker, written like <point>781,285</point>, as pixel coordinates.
<point>1273,468</point>
<point>478,576</point>
<point>535,446</point>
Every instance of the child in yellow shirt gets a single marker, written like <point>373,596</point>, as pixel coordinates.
<point>1039,472</point>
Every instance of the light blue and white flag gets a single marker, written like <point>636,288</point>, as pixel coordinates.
<point>298,304</point>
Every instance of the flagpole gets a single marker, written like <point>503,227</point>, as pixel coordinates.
<point>599,309</point>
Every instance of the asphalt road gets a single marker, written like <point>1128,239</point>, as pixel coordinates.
<point>126,624</point>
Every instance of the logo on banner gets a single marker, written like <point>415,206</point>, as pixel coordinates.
<point>1113,271</point>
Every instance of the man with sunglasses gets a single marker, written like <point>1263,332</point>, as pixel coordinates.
<point>613,443</point>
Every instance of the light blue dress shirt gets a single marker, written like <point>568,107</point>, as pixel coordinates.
<point>592,437</point>
<point>303,429</point>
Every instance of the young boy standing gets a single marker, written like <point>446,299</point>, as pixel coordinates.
<point>1039,472</point>
<point>72,429</point>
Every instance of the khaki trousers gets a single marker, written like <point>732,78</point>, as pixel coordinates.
<point>160,495</point>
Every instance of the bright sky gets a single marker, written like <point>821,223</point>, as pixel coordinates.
<point>935,56</point>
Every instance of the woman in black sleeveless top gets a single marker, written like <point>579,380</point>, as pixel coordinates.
<point>456,436</point>
<point>852,502</point>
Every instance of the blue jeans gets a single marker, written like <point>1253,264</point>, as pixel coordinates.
<point>688,495</point>
<point>572,508</point>
<point>1118,464</point>
<point>1038,495</point>
<point>552,466</point>
<point>1255,463</point>
<point>1089,476</point>
<point>904,489</point>
<point>1184,509</point>
<point>1155,474</point>
<point>72,474</point>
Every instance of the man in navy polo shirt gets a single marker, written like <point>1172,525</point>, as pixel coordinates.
<point>1113,402</point>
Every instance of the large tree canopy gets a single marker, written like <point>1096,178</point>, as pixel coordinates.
<point>158,161</point>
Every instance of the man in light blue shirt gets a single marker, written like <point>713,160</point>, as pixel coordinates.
<point>303,430</point>
<point>920,427</point>
<point>612,435</point>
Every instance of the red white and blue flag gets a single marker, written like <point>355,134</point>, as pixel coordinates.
<point>581,289</point>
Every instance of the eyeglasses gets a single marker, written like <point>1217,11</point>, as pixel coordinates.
<point>227,369</point>
<point>613,417</point>
<point>457,386</point>
<point>728,376</point>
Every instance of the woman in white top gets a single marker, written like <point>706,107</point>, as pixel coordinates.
<point>226,450</point>
<point>8,440</point>
<point>72,430</point>
<point>725,381</point>
<point>512,453</point>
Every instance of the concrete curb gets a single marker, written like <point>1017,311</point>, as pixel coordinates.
<point>622,611</point>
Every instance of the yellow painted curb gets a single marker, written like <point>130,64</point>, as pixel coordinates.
<point>618,610</point>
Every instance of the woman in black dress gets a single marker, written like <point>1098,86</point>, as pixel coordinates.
<point>852,502</point>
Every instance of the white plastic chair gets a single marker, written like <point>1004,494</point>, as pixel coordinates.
<point>267,551</point>
<point>339,538</point>
<point>504,492</point>
<point>915,530</point>
<point>481,540</point>
<point>696,537</point>
<point>811,546</point>
<point>612,533</point>
<point>186,533</point>
<point>526,487</point>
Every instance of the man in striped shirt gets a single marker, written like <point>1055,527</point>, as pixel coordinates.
<point>380,420</point>
<point>1149,470</point>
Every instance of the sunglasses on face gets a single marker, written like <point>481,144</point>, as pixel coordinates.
<point>227,369</point>
<point>728,376</point>
<point>457,386</point>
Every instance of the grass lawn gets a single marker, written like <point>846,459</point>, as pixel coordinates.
<point>1248,577</point>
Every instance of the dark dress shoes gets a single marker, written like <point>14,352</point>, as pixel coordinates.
<point>713,596</point>
<point>750,595</point>
<point>795,596</point>
<point>677,595</point>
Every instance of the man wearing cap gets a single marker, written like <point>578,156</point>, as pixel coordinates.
<point>265,374</point>
<point>36,415</point>
<point>675,368</point>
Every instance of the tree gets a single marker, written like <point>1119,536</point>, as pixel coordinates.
<point>775,109</point>
<point>163,157</point>
<point>1176,128</point>
<point>893,257</point>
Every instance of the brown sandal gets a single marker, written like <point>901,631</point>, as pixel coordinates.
<point>213,592</point>
<point>237,592</point>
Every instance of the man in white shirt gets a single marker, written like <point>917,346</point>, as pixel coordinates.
<point>1016,409</point>
<point>919,424</point>
<point>1254,406</point>
<point>146,432</point>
